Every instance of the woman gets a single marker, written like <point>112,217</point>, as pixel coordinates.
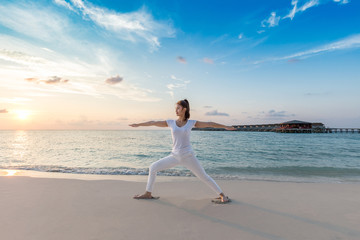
<point>182,153</point>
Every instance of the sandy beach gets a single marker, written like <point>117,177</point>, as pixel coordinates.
<point>56,208</point>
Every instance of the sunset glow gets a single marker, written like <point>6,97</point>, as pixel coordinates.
<point>22,114</point>
<point>104,65</point>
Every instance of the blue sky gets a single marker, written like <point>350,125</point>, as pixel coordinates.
<point>75,64</point>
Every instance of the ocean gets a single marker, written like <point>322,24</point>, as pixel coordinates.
<point>224,154</point>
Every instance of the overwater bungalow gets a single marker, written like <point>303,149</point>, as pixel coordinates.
<point>295,126</point>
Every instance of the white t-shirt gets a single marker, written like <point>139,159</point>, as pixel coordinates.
<point>181,136</point>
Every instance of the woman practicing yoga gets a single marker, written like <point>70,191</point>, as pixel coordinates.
<point>182,152</point>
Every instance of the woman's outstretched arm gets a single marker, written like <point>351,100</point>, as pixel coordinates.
<point>150,123</point>
<point>199,124</point>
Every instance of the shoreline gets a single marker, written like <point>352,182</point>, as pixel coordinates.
<point>87,177</point>
<point>57,208</point>
<point>170,178</point>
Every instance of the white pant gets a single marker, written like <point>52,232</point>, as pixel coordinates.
<point>187,160</point>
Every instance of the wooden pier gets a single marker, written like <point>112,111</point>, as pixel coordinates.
<point>326,130</point>
<point>342,130</point>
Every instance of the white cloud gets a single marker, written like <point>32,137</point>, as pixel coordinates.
<point>45,27</point>
<point>86,79</point>
<point>127,91</point>
<point>20,57</point>
<point>34,21</point>
<point>347,43</point>
<point>271,116</point>
<point>181,84</point>
<point>50,80</point>
<point>309,4</point>
<point>304,7</point>
<point>49,50</point>
<point>50,64</point>
<point>216,113</point>
<point>133,26</point>
<point>277,114</point>
<point>97,89</point>
<point>179,79</point>
<point>342,1</point>
<point>272,21</point>
<point>172,86</point>
<point>241,35</point>
<point>64,4</point>
<point>291,14</point>
<point>350,42</point>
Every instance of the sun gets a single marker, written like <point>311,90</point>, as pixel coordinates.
<point>22,114</point>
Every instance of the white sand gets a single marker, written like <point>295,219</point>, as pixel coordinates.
<point>50,209</point>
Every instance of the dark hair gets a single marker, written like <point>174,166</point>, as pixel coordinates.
<point>185,104</point>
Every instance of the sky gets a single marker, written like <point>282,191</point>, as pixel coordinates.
<point>78,64</point>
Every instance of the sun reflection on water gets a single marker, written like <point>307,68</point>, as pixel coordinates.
<point>20,144</point>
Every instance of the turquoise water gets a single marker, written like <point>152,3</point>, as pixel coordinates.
<point>224,155</point>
